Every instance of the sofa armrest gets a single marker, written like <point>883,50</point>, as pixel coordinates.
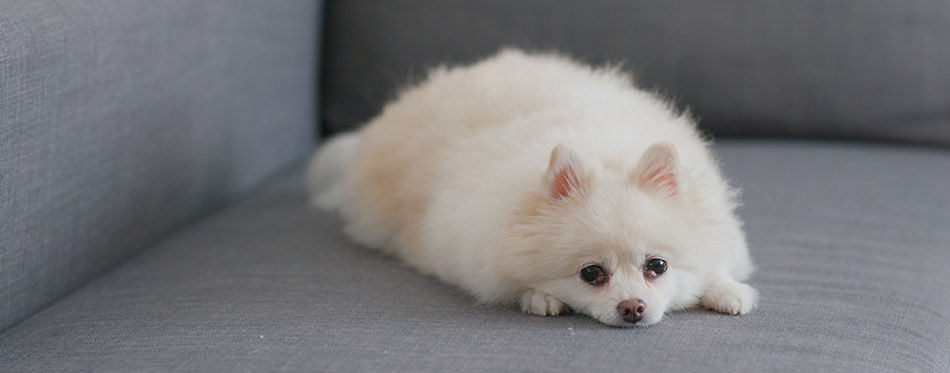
<point>121,121</point>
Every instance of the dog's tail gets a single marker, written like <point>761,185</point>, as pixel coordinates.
<point>325,172</point>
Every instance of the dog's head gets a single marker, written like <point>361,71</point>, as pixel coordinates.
<point>622,245</point>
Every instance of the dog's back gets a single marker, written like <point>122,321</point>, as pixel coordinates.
<point>390,181</point>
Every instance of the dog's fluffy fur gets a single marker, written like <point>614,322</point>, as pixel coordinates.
<point>509,176</point>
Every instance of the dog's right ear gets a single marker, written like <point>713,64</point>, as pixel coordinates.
<point>566,174</point>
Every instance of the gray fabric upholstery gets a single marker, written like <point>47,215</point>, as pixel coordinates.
<point>844,69</point>
<point>121,121</point>
<point>850,241</point>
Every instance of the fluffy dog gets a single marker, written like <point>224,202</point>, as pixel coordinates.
<point>534,179</point>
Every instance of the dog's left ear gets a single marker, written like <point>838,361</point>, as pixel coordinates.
<point>658,170</point>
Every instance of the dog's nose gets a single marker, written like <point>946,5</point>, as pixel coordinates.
<point>632,310</point>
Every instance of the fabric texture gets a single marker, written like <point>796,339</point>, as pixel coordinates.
<point>841,69</point>
<point>121,121</point>
<point>850,242</point>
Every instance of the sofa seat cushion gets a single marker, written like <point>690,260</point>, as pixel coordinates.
<point>851,242</point>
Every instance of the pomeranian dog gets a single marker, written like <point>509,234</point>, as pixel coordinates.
<point>533,179</point>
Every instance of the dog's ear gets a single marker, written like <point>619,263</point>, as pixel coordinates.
<point>658,170</point>
<point>566,173</point>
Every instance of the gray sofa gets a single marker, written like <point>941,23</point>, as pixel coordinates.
<point>153,214</point>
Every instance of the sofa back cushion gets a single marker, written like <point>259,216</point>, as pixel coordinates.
<point>122,121</point>
<point>866,69</point>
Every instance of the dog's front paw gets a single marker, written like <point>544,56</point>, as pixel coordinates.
<point>730,297</point>
<point>543,304</point>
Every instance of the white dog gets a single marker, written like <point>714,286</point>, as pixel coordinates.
<point>534,179</point>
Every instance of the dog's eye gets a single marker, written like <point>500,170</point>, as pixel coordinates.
<point>655,268</point>
<point>594,275</point>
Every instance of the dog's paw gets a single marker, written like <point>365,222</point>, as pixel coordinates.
<point>730,297</point>
<point>543,304</point>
